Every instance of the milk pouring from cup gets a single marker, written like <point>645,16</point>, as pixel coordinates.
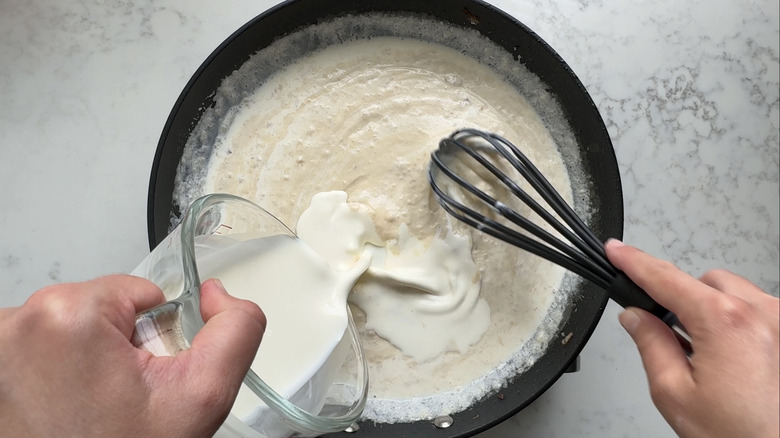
<point>307,378</point>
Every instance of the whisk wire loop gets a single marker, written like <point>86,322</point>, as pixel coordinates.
<point>593,258</point>
<point>573,259</point>
<point>513,187</point>
<point>583,238</point>
<point>570,260</point>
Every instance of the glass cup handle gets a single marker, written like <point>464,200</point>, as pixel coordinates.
<point>160,330</point>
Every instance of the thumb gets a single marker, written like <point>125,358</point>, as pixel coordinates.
<point>665,362</point>
<point>228,342</point>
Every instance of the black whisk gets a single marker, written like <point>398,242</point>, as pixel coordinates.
<point>584,255</point>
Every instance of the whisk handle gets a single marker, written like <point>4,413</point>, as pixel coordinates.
<point>625,292</point>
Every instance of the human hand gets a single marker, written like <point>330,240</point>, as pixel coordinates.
<point>729,388</point>
<point>68,369</point>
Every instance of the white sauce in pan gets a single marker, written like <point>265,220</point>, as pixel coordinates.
<point>362,117</point>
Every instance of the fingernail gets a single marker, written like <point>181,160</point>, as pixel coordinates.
<point>630,320</point>
<point>219,284</point>
<point>615,243</point>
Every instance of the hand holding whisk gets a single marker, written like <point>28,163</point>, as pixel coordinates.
<point>472,160</point>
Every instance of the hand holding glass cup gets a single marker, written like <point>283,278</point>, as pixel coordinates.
<point>332,394</point>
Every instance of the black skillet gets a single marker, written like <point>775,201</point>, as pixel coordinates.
<point>594,148</point>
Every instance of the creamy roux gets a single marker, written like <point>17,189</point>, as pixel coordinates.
<point>363,117</point>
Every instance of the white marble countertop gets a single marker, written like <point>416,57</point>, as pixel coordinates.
<point>688,89</point>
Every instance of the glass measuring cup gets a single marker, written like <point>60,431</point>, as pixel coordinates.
<point>332,398</point>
